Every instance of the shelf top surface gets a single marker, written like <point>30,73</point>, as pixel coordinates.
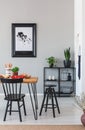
<point>59,68</point>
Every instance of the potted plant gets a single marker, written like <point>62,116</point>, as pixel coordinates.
<point>51,61</point>
<point>15,70</point>
<point>67,61</point>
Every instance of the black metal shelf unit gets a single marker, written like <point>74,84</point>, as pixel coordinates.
<point>63,79</point>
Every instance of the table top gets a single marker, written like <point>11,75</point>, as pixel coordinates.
<point>30,80</point>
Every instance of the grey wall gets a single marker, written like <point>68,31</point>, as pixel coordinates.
<point>55,25</point>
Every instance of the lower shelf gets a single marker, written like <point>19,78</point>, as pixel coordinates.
<point>66,92</point>
<point>63,94</point>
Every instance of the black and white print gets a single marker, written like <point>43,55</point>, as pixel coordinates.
<point>23,39</point>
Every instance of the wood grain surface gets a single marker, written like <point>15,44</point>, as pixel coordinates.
<point>42,127</point>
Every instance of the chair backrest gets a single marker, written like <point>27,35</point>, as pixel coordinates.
<point>11,86</point>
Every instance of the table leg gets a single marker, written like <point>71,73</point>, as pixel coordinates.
<point>35,94</point>
<point>34,102</point>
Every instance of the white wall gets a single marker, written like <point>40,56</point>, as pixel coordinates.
<point>78,41</point>
<point>55,30</point>
<point>83,45</point>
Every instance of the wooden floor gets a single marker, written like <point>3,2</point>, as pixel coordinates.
<point>42,127</point>
<point>70,114</point>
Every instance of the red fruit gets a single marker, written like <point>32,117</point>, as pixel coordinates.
<point>17,76</point>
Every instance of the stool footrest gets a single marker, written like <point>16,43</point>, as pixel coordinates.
<point>49,106</point>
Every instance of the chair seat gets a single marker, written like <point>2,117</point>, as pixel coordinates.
<point>14,97</point>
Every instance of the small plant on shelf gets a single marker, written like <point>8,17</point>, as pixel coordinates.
<point>51,61</point>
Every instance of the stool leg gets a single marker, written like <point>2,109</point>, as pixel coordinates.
<point>53,106</point>
<point>56,101</point>
<point>46,102</point>
<point>42,104</point>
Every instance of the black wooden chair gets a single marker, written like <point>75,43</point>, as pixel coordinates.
<point>12,91</point>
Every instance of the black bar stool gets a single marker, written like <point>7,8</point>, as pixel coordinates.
<point>50,94</point>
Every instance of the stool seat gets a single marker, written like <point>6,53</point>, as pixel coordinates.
<point>50,94</point>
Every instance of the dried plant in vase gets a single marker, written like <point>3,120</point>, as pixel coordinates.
<point>80,100</point>
<point>8,67</point>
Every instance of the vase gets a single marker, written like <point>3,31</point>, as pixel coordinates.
<point>83,118</point>
<point>51,65</point>
<point>8,71</point>
<point>67,63</point>
<point>15,73</point>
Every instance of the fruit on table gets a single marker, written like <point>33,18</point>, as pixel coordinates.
<point>20,76</point>
<point>17,76</point>
<point>4,76</point>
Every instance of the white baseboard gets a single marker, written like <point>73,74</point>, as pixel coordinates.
<point>27,94</point>
<point>39,94</point>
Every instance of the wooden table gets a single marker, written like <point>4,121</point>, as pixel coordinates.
<point>31,82</point>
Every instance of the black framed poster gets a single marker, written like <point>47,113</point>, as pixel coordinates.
<point>23,40</point>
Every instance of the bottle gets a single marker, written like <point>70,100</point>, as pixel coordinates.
<point>69,77</point>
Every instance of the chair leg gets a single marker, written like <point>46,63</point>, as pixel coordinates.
<point>6,110</point>
<point>42,104</point>
<point>19,111</point>
<point>56,101</point>
<point>10,108</point>
<point>46,103</point>
<point>24,106</point>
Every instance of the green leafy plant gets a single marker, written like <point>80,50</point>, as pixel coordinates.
<point>51,61</point>
<point>67,54</point>
<point>15,69</point>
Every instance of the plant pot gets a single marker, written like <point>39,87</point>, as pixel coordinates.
<point>51,65</point>
<point>67,63</point>
<point>15,73</point>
